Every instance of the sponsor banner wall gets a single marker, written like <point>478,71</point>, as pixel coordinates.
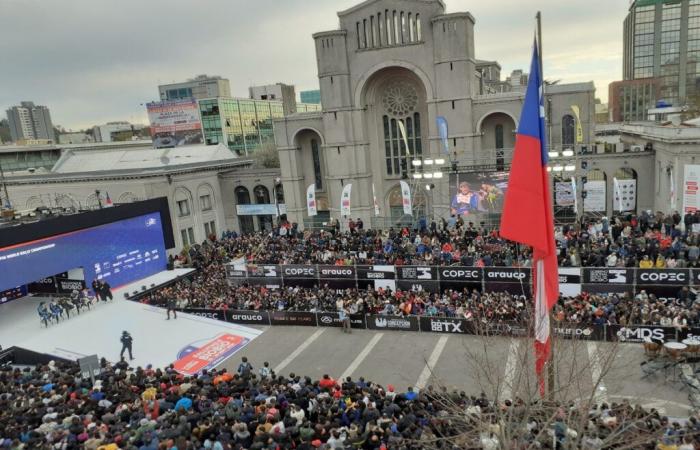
<point>13,294</point>
<point>639,333</point>
<point>579,331</point>
<point>375,277</point>
<point>248,317</point>
<point>514,280</point>
<point>608,276</point>
<point>268,275</point>
<point>458,278</point>
<point>445,325</point>
<point>409,323</point>
<point>67,286</point>
<point>44,286</point>
<point>293,318</point>
<point>570,281</point>
<point>338,277</point>
<point>417,278</point>
<point>215,314</point>
<point>332,319</point>
<point>666,277</point>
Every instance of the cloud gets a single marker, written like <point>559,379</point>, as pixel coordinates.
<point>91,62</point>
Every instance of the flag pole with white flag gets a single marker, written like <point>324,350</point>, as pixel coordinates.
<point>672,188</point>
<point>404,136</point>
<point>406,198</point>
<point>345,200</point>
<point>311,207</point>
<point>376,204</point>
<point>573,189</point>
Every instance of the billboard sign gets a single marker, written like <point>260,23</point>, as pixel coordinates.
<point>175,123</point>
<point>691,180</point>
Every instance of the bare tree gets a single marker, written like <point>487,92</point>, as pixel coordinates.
<point>510,414</point>
<point>267,157</point>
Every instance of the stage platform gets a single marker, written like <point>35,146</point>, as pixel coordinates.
<point>157,341</point>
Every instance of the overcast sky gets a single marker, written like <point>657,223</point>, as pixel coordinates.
<point>96,61</point>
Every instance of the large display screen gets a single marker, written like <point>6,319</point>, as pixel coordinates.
<point>119,253</point>
<point>475,194</point>
<point>175,123</point>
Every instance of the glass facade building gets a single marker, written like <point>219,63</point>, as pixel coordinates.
<point>242,124</point>
<point>662,40</point>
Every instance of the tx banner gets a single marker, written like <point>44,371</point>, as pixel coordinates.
<point>374,198</point>
<point>442,131</point>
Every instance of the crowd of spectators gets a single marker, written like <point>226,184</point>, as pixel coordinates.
<point>645,241</point>
<point>628,241</point>
<point>52,407</point>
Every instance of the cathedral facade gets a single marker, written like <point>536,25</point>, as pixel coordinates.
<point>386,75</point>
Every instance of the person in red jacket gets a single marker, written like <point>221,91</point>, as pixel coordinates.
<point>327,382</point>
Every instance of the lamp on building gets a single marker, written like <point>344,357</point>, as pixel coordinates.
<point>568,153</point>
<point>417,163</point>
<point>437,174</point>
<point>417,176</point>
<point>553,154</point>
<point>569,168</point>
<point>440,161</point>
<point>429,162</point>
<point>429,187</point>
<point>557,168</point>
<point>428,175</point>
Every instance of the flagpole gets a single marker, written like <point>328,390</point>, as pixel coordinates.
<point>550,363</point>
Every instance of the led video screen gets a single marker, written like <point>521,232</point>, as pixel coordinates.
<point>119,253</point>
<point>477,194</point>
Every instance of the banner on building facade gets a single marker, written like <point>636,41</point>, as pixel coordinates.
<point>175,123</point>
<point>594,200</point>
<point>564,193</point>
<point>625,195</point>
<point>691,179</point>
<point>404,136</point>
<point>345,197</point>
<point>579,128</point>
<point>374,198</point>
<point>406,198</point>
<point>442,132</point>
<point>311,200</point>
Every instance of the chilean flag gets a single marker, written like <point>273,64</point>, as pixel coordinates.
<point>527,211</point>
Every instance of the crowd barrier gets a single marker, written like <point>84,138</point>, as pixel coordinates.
<point>445,325</point>
<point>515,280</point>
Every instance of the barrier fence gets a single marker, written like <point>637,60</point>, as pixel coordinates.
<point>445,325</point>
<point>515,280</point>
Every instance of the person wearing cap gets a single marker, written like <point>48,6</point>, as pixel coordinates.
<point>127,342</point>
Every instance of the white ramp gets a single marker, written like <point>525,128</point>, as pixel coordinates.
<point>197,342</point>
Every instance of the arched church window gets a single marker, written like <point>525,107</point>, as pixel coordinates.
<point>567,130</point>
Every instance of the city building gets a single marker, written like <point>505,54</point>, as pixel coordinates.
<point>602,115</point>
<point>209,189</point>
<point>116,131</point>
<point>29,121</point>
<point>243,124</point>
<point>310,96</point>
<point>281,92</point>
<point>662,40</point>
<point>631,100</point>
<point>75,138</point>
<point>201,86</point>
<point>402,64</point>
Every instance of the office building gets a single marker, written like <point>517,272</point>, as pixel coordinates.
<point>201,86</point>
<point>243,124</point>
<point>276,92</point>
<point>310,96</point>
<point>631,100</point>
<point>30,122</point>
<point>662,40</point>
<point>115,131</point>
